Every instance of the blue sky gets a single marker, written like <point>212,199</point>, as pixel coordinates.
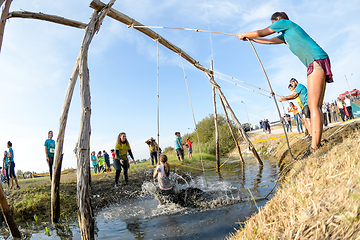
<point>38,57</point>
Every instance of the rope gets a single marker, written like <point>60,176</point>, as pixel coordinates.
<point>273,94</point>
<point>192,110</point>
<point>244,82</point>
<point>242,86</point>
<point>187,29</point>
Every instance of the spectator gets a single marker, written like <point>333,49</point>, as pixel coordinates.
<point>100,162</point>
<point>348,107</point>
<point>333,110</point>
<point>153,148</point>
<point>107,161</point>
<point>297,117</point>
<point>324,110</point>
<point>12,166</point>
<point>6,168</point>
<point>122,148</point>
<point>50,151</point>
<point>189,146</point>
<point>341,109</point>
<point>179,147</point>
<point>94,162</point>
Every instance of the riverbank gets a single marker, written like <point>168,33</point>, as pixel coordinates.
<point>320,196</point>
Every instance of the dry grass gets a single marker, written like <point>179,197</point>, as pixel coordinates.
<point>320,199</point>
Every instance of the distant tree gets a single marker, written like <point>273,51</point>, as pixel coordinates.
<point>19,173</point>
<point>169,151</point>
<point>206,131</point>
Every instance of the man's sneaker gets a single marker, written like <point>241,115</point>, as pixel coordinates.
<point>11,187</point>
<point>17,187</point>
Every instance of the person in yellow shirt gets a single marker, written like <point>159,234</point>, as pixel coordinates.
<point>122,148</point>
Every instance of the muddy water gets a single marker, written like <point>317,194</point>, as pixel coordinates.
<point>227,201</point>
<point>221,203</point>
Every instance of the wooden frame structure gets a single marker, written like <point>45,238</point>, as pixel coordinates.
<point>85,213</point>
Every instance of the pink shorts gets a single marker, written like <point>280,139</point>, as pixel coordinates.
<point>322,64</point>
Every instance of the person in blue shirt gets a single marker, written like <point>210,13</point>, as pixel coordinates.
<point>310,54</point>
<point>301,92</point>
<point>50,151</point>
<point>12,166</point>
<point>6,168</point>
<point>179,146</point>
<point>107,161</point>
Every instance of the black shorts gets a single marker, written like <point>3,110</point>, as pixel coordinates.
<point>180,152</point>
<point>306,111</point>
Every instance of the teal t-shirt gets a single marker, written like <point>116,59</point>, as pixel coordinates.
<point>299,42</point>
<point>93,160</point>
<point>6,163</point>
<point>177,140</point>
<point>11,159</point>
<point>50,144</point>
<point>302,91</point>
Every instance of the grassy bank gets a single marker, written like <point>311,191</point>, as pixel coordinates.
<point>319,198</point>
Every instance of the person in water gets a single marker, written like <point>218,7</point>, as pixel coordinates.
<point>162,172</point>
<point>311,55</point>
<point>122,148</point>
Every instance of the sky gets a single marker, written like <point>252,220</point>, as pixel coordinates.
<point>38,57</point>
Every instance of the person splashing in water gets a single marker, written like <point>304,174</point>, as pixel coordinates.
<point>162,172</point>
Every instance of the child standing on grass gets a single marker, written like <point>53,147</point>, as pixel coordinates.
<point>311,55</point>
<point>94,162</point>
<point>189,146</point>
<point>100,162</point>
<point>162,172</point>
<point>6,168</point>
<point>12,166</point>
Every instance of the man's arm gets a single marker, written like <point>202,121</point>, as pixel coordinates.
<point>290,97</point>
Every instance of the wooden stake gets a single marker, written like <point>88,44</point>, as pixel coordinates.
<point>55,184</point>
<point>232,132</point>
<point>47,17</point>
<point>3,19</point>
<point>238,124</point>
<point>97,5</point>
<point>7,215</point>
<point>217,154</point>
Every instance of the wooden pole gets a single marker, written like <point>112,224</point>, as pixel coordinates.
<point>217,154</point>
<point>55,184</point>
<point>3,20</point>
<point>47,17</point>
<point>97,5</point>
<point>7,215</point>
<point>85,212</point>
<point>237,122</point>
<point>232,132</point>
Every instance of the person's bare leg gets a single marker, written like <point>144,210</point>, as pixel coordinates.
<point>307,124</point>
<point>316,91</point>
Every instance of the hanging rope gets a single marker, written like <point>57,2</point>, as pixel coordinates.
<point>158,108</point>
<point>273,94</point>
<point>242,86</point>
<point>192,110</point>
